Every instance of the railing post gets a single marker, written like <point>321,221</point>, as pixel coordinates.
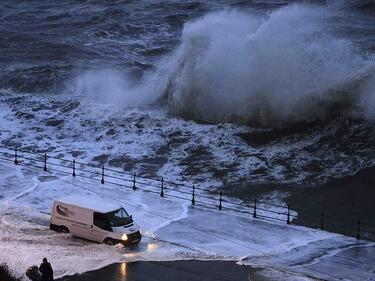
<point>45,162</point>
<point>288,216</point>
<point>15,156</point>
<point>102,181</point>
<point>322,222</point>
<point>193,196</point>
<point>74,168</point>
<point>255,208</point>
<point>358,229</point>
<point>162,188</point>
<point>134,188</point>
<point>220,205</point>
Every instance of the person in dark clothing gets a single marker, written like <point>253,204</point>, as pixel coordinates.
<point>46,269</point>
<point>33,273</point>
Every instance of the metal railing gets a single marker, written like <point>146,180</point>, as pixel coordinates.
<point>258,209</point>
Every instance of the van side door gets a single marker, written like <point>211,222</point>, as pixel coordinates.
<point>80,221</point>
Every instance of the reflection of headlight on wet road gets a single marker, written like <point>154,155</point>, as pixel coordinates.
<point>123,271</point>
<point>124,237</point>
<point>152,247</point>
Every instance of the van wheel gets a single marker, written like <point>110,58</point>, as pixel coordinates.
<point>64,229</point>
<point>109,241</point>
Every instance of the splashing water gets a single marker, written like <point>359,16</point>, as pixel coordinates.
<point>233,67</point>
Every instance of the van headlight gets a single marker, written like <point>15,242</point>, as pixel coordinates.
<point>124,237</point>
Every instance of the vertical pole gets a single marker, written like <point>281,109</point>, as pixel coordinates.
<point>45,162</point>
<point>15,156</point>
<point>322,222</point>
<point>134,188</point>
<point>358,230</point>
<point>162,188</point>
<point>288,216</point>
<point>220,205</point>
<point>193,197</point>
<point>255,208</point>
<point>74,168</point>
<point>102,181</point>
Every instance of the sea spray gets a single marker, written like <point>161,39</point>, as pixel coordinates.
<point>272,71</point>
<point>285,69</point>
<point>109,86</point>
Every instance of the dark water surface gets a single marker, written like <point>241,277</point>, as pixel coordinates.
<point>175,270</point>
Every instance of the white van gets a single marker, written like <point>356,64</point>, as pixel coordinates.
<point>95,219</point>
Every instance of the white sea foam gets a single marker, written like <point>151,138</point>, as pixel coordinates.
<point>178,232</point>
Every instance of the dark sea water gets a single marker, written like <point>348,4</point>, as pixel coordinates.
<point>44,44</point>
<point>229,93</point>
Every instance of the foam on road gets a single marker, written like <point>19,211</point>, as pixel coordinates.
<point>173,230</point>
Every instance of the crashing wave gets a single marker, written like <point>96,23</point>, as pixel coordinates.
<point>273,72</point>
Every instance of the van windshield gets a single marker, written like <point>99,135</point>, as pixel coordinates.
<point>118,218</point>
